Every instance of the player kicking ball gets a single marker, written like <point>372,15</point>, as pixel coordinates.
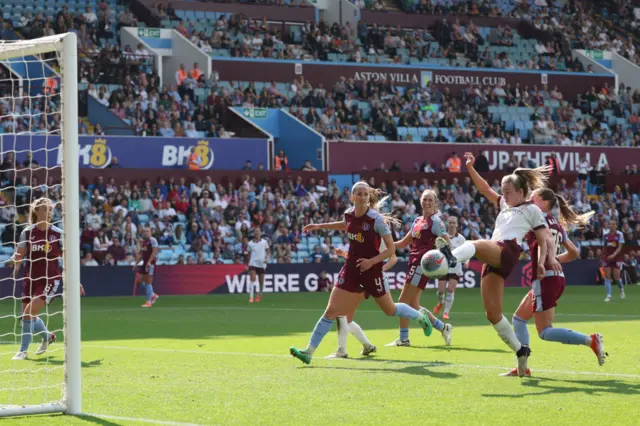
<point>540,303</point>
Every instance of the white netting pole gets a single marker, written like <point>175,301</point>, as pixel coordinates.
<point>71,222</point>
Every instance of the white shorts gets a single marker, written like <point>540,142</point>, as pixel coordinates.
<point>457,270</point>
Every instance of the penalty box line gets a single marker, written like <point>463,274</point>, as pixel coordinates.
<point>416,363</point>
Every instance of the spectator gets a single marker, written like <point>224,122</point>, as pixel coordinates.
<point>281,162</point>
<point>308,167</point>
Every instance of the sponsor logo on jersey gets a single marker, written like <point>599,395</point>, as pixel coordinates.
<point>356,237</point>
<point>46,247</point>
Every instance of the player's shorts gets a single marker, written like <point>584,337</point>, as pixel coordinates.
<point>258,271</point>
<point>508,259</point>
<point>385,282</point>
<point>415,276</point>
<point>142,271</point>
<point>454,273</point>
<point>44,289</point>
<point>372,282</point>
<point>545,293</point>
<point>615,263</point>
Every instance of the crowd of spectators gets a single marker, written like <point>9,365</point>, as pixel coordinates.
<point>207,222</point>
<point>358,110</point>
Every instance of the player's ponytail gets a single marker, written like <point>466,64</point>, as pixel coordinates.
<point>377,201</point>
<point>529,179</point>
<point>567,215</point>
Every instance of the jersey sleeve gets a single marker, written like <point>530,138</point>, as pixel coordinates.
<point>381,226</point>
<point>438,229</point>
<point>22,241</point>
<point>154,242</point>
<point>620,238</point>
<point>535,217</point>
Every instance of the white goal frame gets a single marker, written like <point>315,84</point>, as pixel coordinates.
<point>67,48</point>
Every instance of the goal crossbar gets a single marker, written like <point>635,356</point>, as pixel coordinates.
<point>36,46</point>
<point>65,45</point>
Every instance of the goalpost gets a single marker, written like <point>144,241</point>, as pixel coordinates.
<point>50,382</point>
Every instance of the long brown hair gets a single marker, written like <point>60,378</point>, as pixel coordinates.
<point>377,200</point>
<point>529,179</point>
<point>567,216</point>
<point>33,219</point>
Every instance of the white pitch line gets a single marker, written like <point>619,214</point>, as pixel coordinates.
<point>242,308</point>
<point>417,363</point>
<point>137,419</point>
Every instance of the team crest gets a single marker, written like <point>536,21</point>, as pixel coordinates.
<point>365,227</point>
<point>340,280</point>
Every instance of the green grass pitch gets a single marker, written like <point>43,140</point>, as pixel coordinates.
<point>218,360</point>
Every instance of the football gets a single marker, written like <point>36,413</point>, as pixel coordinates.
<point>434,264</point>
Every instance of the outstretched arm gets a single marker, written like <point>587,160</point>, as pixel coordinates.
<point>404,242</point>
<point>335,226</point>
<point>482,185</point>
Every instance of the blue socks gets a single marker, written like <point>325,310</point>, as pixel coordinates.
<point>566,336</point>
<point>27,333</point>
<point>149,292</point>
<point>321,329</point>
<point>437,324</point>
<point>619,284</point>
<point>607,286</point>
<point>39,327</point>
<point>405,311</point>
<point>404,334</point>
<point>520,328</point>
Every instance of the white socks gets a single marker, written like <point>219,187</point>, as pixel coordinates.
<point>507,334</point>
<point>251,289</point>
<point>448,302</point>
<point>343,333</point>
<point>464,252</point>
<point>357,332</point>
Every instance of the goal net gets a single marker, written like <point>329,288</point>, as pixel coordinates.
<point>39,158</point>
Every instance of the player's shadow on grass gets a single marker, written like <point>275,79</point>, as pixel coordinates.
<point>590,387</point>
<point>415,368</point>
<point>463,349</point>
<point>61,417</point>
<point>54,361</point>
<point>97,420</point>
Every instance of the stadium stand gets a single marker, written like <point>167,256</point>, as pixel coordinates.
<point>198,222</point>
